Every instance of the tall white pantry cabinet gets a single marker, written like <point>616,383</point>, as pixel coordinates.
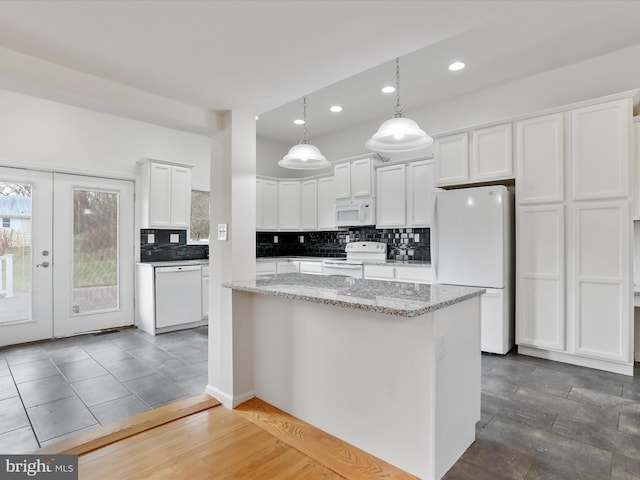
<point>574,293</point>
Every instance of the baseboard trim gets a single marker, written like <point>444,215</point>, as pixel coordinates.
<point>612,367</point>
<point>100,437</point>
<point>228,401</point>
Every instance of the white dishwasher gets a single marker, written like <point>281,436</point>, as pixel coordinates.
<point>178,295</point>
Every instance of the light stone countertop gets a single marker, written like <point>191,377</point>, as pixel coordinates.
<point>408,263</point>
<point>175,263</point>
<point>392,298</point>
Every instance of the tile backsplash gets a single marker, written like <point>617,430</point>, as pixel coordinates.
<point>402,243</point>
<point>157,245</point>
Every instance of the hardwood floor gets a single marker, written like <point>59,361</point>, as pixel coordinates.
<point>255,441</point>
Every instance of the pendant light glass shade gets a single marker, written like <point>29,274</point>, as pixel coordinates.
<point>398,134</point>
<point>304,156</point>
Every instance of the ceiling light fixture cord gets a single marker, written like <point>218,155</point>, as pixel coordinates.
<point>398,107</point>
<point>304,118</point>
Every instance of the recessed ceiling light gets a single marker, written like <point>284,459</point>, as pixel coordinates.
<point>257,117</point>
<point>455,66</point>
<point>336,108</point>
<point>298,121</point>
<point>388,89</point>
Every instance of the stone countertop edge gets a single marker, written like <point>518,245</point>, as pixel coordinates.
<point>400,263</point>
<point>396,306</point>
<point>175,263</point>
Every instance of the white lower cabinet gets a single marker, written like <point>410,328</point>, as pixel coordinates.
<point>540,277</point>
<point>379,272</point>
<point>412,274</point>
<point>602,302</point>
<point>266,268</point>
<point>287,267</point>
<point>311,267</point>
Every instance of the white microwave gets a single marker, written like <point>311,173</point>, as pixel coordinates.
<point>355,211</point>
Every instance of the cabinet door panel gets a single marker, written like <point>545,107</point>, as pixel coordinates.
<point>269,205</point>
<point>180,197</point>
<point>326,203</point>
<point>390,209</point>
<point>362,178</point>
<point>540,300</point>
<point>540,159</point>
<point>259,203</point>
<point>309,197</point>
<point>342,177</point>
<point>492,153</point>
<point>159,195</point>
<point>452,159</point>
<point>420,193</point>
<point>600,143</point>
<point>602,280</point>
<point>289,205</point>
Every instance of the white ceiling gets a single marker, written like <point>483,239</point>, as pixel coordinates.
<point>263,56</point>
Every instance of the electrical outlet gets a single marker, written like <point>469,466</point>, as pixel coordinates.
<point>301,238</point>
<point>174,238</point>
<point>151,238</point>
<point>441,347</point>
<point>275,239</point>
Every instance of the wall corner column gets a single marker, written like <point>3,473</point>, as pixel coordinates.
<point>233,202</point>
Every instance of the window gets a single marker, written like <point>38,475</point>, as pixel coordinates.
<point>6,222</point>
<point>199,232</point>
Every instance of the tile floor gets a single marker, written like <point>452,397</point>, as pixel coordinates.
<point>55,389</point>
<point>540,419</point>
<point>553,421</point>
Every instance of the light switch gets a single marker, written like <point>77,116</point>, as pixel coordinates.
<point>222,232</point>
<point>151,238</point>
<point>174,238</point>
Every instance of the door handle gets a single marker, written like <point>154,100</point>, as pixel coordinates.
<point>43,264</point>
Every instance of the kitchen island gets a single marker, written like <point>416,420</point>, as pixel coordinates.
<point>392,368</point>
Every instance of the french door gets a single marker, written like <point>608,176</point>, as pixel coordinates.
<point>66,254</point>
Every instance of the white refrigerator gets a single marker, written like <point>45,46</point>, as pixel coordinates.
<point>473,245</point>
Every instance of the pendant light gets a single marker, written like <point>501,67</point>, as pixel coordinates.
<point>398,134</point>
<point>304,156</point>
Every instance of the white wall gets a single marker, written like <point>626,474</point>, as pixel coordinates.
<point>597,77</point>
<point>42,133</point>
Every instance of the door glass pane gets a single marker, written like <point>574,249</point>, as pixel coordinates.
<point>15,252</point>
<point>95,252</point>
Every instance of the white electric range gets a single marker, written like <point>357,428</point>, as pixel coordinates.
<point>357,254</point>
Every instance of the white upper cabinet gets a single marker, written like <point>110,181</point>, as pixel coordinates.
<point>540,159</point>
<point>600,140</point>
<point>362,178</point>
<point>636,214</point>
<point>309,198</point>
<point>492,153</point>
<point>166,195</point>
<point>391,199</point>
<point>342,178</point>
<point>266,204</point>
<point>481,155</point>
<point>452,159</point>
<point>420,193</point>
<point>326,203</point>
<point>289,205</point>
<point>355,178</point>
